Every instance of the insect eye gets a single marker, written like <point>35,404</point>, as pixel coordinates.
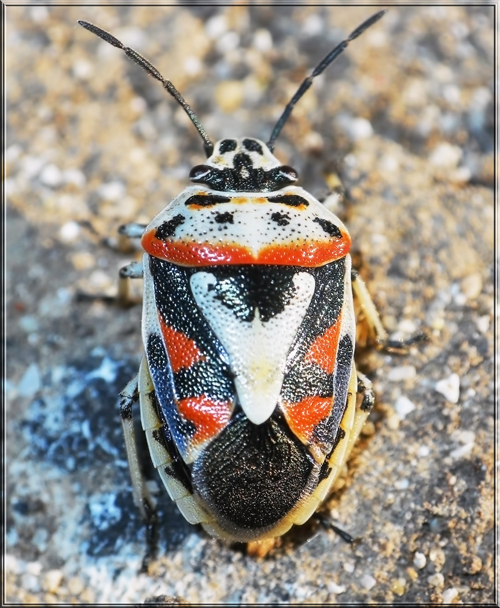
<point>199,172</point>
<point>289,173</point>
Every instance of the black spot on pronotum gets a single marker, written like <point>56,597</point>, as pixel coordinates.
<point>252,145</point>
<point>292,200</point>
<point>227,145</point>
<point>167,229</point>
<point>224,218</point>
<point>282,219</point>
<point>329,227</point>
<point>206,200</point>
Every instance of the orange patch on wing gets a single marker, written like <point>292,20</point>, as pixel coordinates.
<point>323,351</point>
<point>187,253</point>
<point>182,351</point>
<point>303,417</point>
<point>208,416</point>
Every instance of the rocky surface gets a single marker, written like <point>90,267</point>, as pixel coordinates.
<point>405,117</point>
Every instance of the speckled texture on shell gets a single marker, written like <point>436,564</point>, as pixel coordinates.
<point>405,116</point>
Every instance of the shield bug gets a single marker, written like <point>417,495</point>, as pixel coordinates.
<point>249,395</point>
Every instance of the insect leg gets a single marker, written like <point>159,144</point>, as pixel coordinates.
<point>372,319</point>
<point>142,497</point>
<point>141,494</point>
<point>134,270</point>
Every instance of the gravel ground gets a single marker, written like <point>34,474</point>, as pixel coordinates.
<point>405,118</point>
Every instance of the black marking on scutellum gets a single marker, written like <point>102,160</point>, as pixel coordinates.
<point>292,200</point>
<point>245,289</point>
<point>224,218</point>
<point>282,219</point>
<point>329,227</point>
<point>206,200</point>
<point>168,228</point>
<point>253,475</point>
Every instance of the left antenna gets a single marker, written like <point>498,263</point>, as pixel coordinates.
<point>152,71</point>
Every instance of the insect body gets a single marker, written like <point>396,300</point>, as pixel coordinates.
<point>249,395</point>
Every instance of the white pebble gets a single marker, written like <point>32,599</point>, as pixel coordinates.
<point>29,324</point>
<point>51,176</point>
<point>262,40</point>
<point>402,372</point>
<point>216,26</point>
<point>348,567</point>
<point>483,323</point>
<point>449,595</point>
<point>446,155</point>
<point>112,191</point>
<point>462,451</point>
<point>83,69</point>
<point>403,406</point>
<point>423,451</point>
<point>360,128</point>
<point>31,382</point>
<point>34,568</point>
<point>368,581</point>
<point>436,580</point>
<point>401,484</point>
<point>74,176</point>
<point>30,582</point>
<point>449,388</point>
<point>419,560</point>
<point>52,580</point>
<point>69,232</point>
<point>335,589</point>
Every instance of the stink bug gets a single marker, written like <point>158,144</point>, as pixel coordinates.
<point>249,396</point>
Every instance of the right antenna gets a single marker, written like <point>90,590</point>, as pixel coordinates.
<point>322,65</point>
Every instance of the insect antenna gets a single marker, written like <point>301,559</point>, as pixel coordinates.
<point>322,65</point>
<point>152,71</point>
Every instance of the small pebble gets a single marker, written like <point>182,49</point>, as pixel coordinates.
<point>449,595</point>
<point>368,582</point>
<point>75,585</point>
<point>436,580</point>
<point>31,381</point>
<point>423,451</point>
<point>419,560</point>
<point>29,324</point>
<point>262,40</point>
<point>69,232</point>
<point>472,286</point>
<point>403,406</point>
<point>399,586</point>
<point>30,582</point>
<point>348,567</point>
<point>51,176</point>
<point>229,95</point>
<point>401,484</point>
<point>393,421</point>
<point>51,580</point>
<point>335,589</point>
<point>462,451</point>
<point>402,372</point>
<point>449,388</point>
<point>483,324</point>
<point>112,191</point>
<point>445,155</point>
